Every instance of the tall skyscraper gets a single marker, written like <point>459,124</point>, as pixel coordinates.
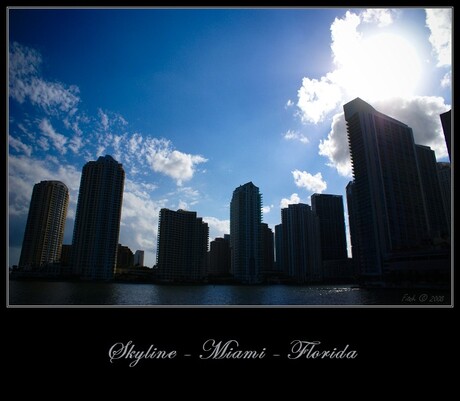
<point>444,175</point>
<point>446,127</point>
<point>437,221</point>
<point>97,221</point>
<point>245,233</point>
<point>268,250</point>
<point>182,246</point>
<point>329,209</point>
<point>387,188</point>
<point>45,225</point>
<point>301,243</point>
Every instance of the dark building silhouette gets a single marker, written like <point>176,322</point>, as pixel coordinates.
<point>219,257</point>
<point>301,243</point>
<point>444,176</point>
<point>279,248</point>
<point>182,246</point>
<point>97,221</point>
<point>446,121</point>
<point>437,221</point>
<point>125,257</point>
<point>245,234</point>
<point>66,259</point>
<point>45,225</point>
<point>387,189</point>
<point>268,250</point>
<point>329,209</point>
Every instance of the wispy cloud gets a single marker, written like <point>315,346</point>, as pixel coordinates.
<point>19,146</point>
<point>58,140</point>
<point>25,83</point>
<point>314,183</point>
<point>291,135</point>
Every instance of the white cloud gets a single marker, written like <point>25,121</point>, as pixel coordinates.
<point>314,183</point>
<point>217,228</point>
<point>19,146</point>
<point>317,98</point>
<point>380,16</point>
<point>43,143</point>
<point>139,221</point>
<point>421,113</point>
<point>104,119</point>
<point>293,200</point>
<point>289,103</point>
<point>59,141</point>
<point>25,83</point>
<point>76,143</point>
<point>439,22</point>
<point>291,135</point>
<point>446,80</point>
<point>173,163</point>
<point>369,63</point>
<point>267,209</point>
<point>335,146</point>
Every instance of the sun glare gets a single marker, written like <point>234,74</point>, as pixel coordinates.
<point>387,66</point>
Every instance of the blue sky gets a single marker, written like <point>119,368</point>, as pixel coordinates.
<point>195,102</point>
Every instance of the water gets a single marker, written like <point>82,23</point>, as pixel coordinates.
<point>103,293</point>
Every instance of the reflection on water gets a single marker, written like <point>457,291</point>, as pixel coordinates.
<point>97,293</point>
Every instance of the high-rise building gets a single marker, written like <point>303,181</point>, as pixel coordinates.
<point>219,257</point>
<point>279,247</point>
<point>446,127</point>
<point>97,220</point>
<point>245,236</point>
<point>301,243</point>
<point>444,176</point>
<point>268,250</point>
<point>329,209</point>
<point>182,246</point>
<point>45,225</point>
<point>437,221</point>
<point>387,189</point>
<point>139,258</point>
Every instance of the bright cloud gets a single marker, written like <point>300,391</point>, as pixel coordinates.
<point>25,83</point>
<point>217,228</point>
<point>314,183</point>
<point>293,200</point>
<point>439,22</point>
<point>173,163</point>
<point>267,209</point>
<point>373,64</point>
<point>291,135</point>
